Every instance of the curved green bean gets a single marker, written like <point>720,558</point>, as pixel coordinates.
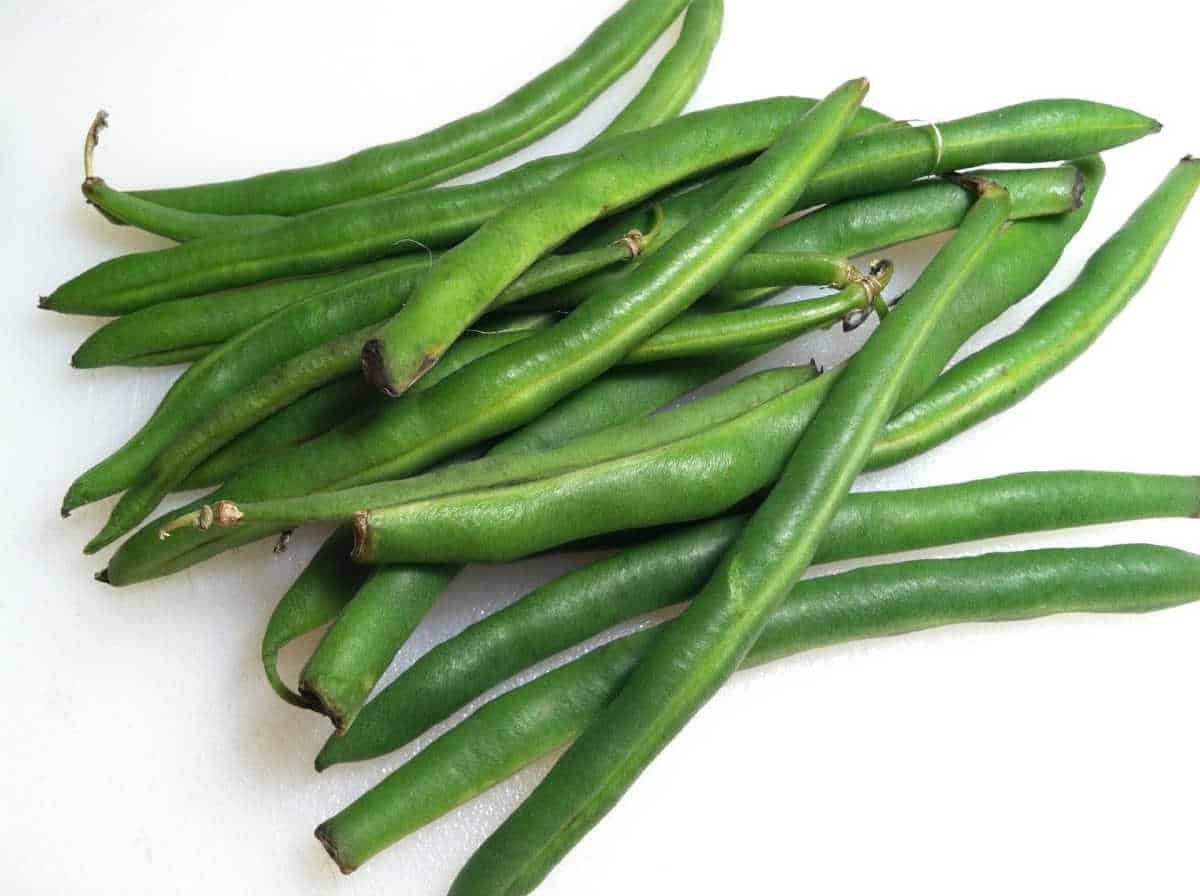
<point>206,321</point>
<point>653,575</point>
<point>467,279</point>
<point>552,98</point>
<point>847,228</point>
<point>997,377</point>
<point>691,419</point>
<point>360,645</point>
<point>343,236</point>
<point>703,647</point>
<point>677,75</point>
<point>871,162</point>
<point>542,715</point>
<point>515,384</point>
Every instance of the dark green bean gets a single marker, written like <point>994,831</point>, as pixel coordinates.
<point>549,100</point>
<point>361,640</point>
<point>695,655</point>
<point>997,377</point>
<point>677,75</point>
<point>648,577</point>
<point>515,384</point>
<point>882,159</point>
<point>549,712</point>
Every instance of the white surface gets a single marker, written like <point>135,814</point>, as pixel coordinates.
<point>145,754</point>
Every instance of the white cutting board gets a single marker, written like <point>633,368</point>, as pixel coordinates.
<point>144,753</point>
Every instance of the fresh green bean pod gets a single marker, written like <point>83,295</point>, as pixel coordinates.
<point>848,228</point>
<point>694,418</point>
<point>1016,263</point>
<point>310,335</point>
<point>677,75</point>
<point>872,162</point>
<point>997,377</point>
<point>361,644</point>
<point>344,236</point>
<point>547,713</point>
<point>279,387</point>
<point>653,575</point>
<point>176,224</point>
<point>552,98</point>
<point>294,329</point>
<point>465,282</point>
<point>206,321</point>
<point>513,385</point>
<point>704,646</point>
<point>304,419</point>
<point>326,585</point>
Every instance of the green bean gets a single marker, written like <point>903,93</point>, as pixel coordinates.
<point>882,159</point>
<point>997,377</point>
<point>549,712</point>
<point>327,583</point>
<point>344,236</point>
<point>515,384</point>
<point>467,279</point>
<point>552,98</point>
<point>677,75</point>
<point>276,389</point>
<point>311,336</point>
<point>650,576</point>
<point>703,647</point>
<point>696,417</point>
<point>360,645</point>
<point>710,472</point>
<point>848,228</point>
<point>206,321</point>
<point>1018,260</point>
<point>289,331</point>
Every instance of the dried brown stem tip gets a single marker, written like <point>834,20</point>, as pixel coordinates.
<point>91,140</point>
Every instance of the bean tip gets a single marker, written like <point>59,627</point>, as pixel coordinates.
<point>326,838</point>
<point>374,368</point>
<point>1189,159</point>
<point>102,576</point>
<point>1078,189</point>
<point>46,303</point>
<point>360,525</point>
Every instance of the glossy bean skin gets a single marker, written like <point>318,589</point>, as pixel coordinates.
<point>1017,261</point>
<point>871,162</point>
<point>670,568</point>
<point>848,228</point>
<point>343,236</point>
<point>677,74</point>
<point>276,389</point>
<point>466,280</point>
<point>326,585</point>
<point>612,442</point>
<point>703,647</point>
<point>369,638</point>
<point>301,346</point>
<point>515,384</point>
<point>295,328</point>
<point>704,475</point>
<point>542,715</point>
<point>549,100</point>
<point>206,321</point>
<point>176,224</point>
<point>997,377</point>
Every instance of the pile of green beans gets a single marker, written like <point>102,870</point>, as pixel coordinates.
<point>483,372</point>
